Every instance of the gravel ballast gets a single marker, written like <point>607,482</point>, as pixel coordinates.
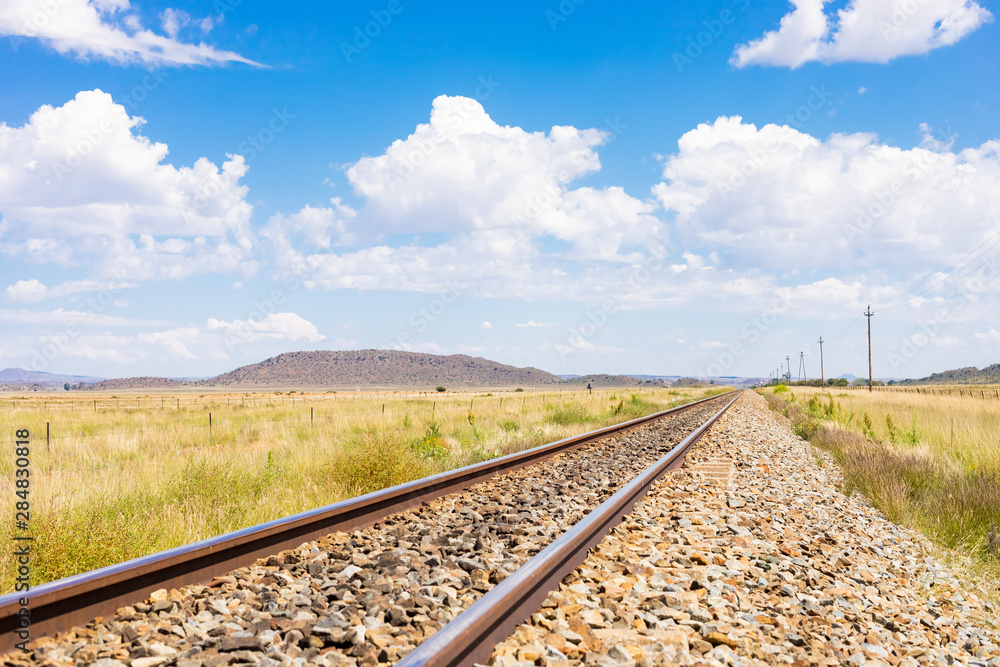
<point>371,596</point>
<point>751,555</point>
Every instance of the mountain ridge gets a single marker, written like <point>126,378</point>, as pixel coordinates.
<point>966,375</point>
<point>374,368</point>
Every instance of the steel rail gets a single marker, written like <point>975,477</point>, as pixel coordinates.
<point>75,601</point>
<point>470,637</point>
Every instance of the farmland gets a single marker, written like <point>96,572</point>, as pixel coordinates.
<point>121,476</point>
<point>927,460</point>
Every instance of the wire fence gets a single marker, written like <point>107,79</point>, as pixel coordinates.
<point>971,392</point>
<point>210,423</point>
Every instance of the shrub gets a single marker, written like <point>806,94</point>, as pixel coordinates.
<point>375,460</point>
<point>431,445</point>
<point>568,414</point>
<point>441,389</point>
<point>509,425</point>
<point>780,389</point>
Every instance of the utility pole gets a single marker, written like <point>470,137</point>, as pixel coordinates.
<point>788,367</point>
<point>802,367</point>
<point>869,315</point>
<point>822,376</point>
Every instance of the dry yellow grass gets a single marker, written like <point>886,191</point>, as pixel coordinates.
<point>929,461</point>
<point>140,474</point>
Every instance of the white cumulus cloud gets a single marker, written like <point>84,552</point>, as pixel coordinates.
<point>80,185</point>
<point>774,196</point>
<point>500,197</point>
<point>289,326</point>
<point>863,31</point>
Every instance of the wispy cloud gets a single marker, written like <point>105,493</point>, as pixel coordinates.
<point>109,30</point>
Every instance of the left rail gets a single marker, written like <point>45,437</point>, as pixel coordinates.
<point>75,601</point>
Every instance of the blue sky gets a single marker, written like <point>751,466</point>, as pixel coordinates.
<point>664,188</point>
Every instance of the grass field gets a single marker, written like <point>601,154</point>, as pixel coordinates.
<point>130,475</point>
<point>928,461</point>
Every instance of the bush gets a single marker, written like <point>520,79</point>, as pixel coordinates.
<point>780,389</point>
<point>509,425</point>
<point>431,445</point>
<point>375,460</point>
<point>441,389</point>
<point>568,414</point>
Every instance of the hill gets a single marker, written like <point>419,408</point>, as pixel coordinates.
<point>604,380</point>
<point>378,368</point>
<point>967,375</point>
<point>690,382</point>
<point>25,377</point>
<point>136,383</point>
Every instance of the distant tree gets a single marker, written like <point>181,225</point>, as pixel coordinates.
<point>66,386</point>
<point>518,389</point>
<point>441,389</point>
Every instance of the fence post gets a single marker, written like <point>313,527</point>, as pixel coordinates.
<point>310,415</point>
<point>46,436</point>
<point>209,424</point>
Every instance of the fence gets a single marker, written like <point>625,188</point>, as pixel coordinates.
<point>972,392</point>
<point>208,422</point>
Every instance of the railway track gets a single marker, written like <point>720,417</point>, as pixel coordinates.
<point>417,573</point>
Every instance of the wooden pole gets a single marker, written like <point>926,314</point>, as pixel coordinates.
<point>869,315</point>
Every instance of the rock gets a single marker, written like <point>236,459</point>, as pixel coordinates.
<point>240,642</point>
